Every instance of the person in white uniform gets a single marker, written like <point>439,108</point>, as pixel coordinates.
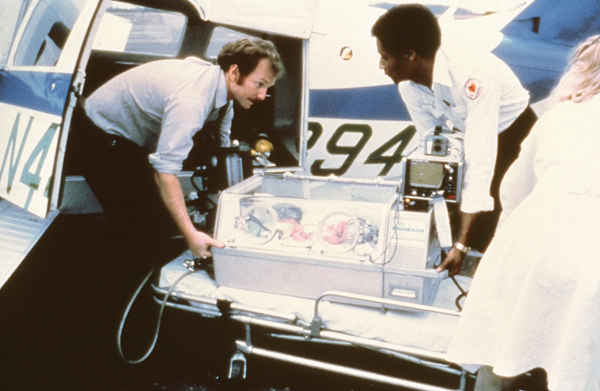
<point>534,299</point>
<point>140,129</point>
<point>463,89</point>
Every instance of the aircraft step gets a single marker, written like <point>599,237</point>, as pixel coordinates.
<point>19,231</point>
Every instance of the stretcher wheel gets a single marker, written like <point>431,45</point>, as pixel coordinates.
<point>237,366</point>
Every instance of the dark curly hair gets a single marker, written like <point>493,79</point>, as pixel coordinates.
<point>408,26</point>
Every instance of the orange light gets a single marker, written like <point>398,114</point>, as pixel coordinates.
<point>346,53</point>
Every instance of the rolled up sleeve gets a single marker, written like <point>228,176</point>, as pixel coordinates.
<point>164,165</point>
<point>183,117</point>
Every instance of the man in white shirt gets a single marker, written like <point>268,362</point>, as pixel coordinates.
<point>464,89</point>
<point>140,129</point>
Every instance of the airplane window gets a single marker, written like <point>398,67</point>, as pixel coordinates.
<point>47,32</point>
<point>10,20</point>
<point>219,38</point>
<point>136,29</point>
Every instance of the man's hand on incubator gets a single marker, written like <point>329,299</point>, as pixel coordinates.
<point>199,243</point>
<point>452,262</point>
<point>172,195</point>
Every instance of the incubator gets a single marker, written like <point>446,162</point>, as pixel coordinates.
<point>298,235</point>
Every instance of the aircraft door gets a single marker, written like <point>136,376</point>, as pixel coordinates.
<point>38,60</point>
<point>41,46</point>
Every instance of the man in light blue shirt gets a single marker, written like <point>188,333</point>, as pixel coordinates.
<point>141,128</point>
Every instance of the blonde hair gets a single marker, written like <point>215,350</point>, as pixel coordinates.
<point>582,78</point>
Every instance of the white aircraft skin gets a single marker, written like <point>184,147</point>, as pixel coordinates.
<point>358,126</point>
<point>345,131</point>
<point>30,129</point>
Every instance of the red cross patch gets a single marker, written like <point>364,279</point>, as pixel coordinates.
<point>473,89</point>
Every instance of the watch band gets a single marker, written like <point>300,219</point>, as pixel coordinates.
<point>462,248</point>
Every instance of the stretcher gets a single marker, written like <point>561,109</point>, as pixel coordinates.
<point>415,333</point>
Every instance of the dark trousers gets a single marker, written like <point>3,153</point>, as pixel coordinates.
<point>509,147</point>
<point>120,175</point>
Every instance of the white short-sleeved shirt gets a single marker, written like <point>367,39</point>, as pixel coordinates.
<point>478,94</point>
<point>161,105</point>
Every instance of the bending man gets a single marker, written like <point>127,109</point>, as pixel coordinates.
<point>141,129</point>
<point>466,90</point>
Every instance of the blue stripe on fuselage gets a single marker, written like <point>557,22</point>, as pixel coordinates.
<point>537,64</point>
<point>364,103</point>
<point>33,90</point>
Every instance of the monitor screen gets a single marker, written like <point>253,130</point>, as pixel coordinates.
<point>426,174</point>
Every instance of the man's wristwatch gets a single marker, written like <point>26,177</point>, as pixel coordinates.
<point>462,248</point>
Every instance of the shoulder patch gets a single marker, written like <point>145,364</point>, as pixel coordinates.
<point>473,89</point>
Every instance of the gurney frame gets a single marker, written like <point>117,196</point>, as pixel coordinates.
<point>289,326</point>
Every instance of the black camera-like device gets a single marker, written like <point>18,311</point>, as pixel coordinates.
<point>436,144</point>
<point>433,170</point>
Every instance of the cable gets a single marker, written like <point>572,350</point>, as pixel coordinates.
<point>463,293</point>
<point>162,307</point>
<point>201,192</point>
<point>193,182</point>
<point>395,236</point>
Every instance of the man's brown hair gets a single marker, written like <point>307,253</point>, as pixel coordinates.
<point>246,53</point>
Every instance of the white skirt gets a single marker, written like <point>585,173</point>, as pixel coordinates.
<point>535,298</point>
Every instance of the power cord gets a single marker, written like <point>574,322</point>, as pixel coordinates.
<point>463,293</point>
<point>162,308</point>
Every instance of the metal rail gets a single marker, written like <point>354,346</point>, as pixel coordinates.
<point>339,369</point>
<point>292,326</point>
<point>233,306</point>
<point>405,357</point>
<point>339,337</point>
<point>377,300</point>
<point>290,323</point>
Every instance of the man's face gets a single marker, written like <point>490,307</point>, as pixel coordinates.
<point>247,90</point>
<point>396,69</point>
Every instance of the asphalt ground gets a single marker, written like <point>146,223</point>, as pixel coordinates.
<point>61,310</point>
